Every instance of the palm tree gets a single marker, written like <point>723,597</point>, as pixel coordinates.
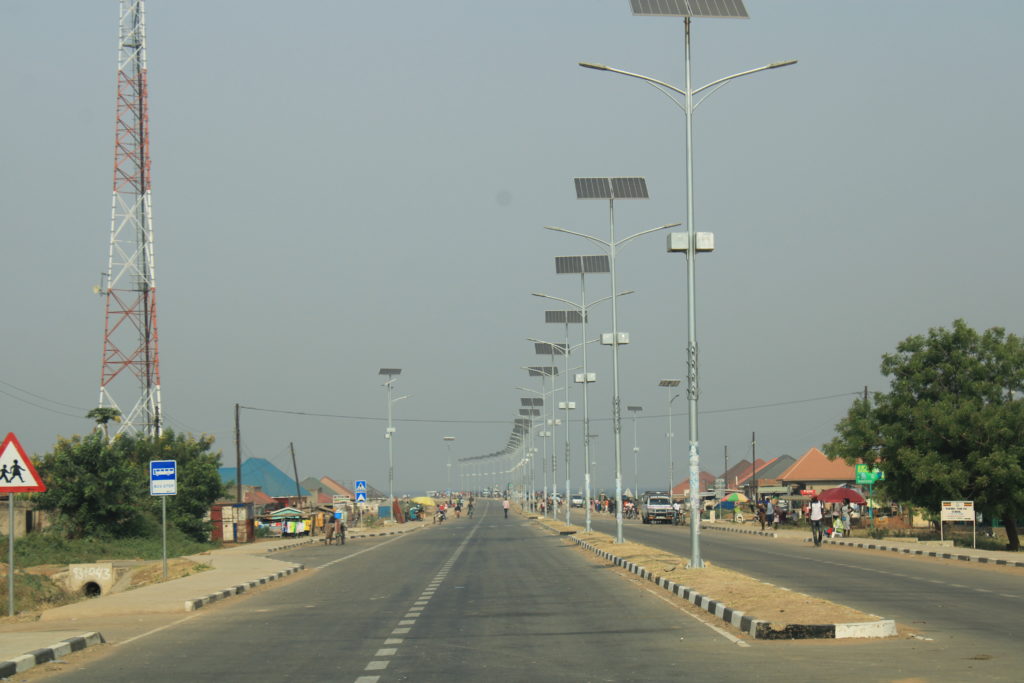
<point>103,416</point>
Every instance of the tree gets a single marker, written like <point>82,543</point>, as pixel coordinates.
<point>101,487</point>
<point>952,425</point>
<point>103,416</point>
<point>199,483</point>
<point>93,489</point>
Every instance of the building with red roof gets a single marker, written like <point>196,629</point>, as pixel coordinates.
<point>814,471</point>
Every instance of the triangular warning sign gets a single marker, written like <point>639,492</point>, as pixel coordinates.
<point>17,473</point>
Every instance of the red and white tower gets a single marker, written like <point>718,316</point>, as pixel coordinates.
<point>130,377</point>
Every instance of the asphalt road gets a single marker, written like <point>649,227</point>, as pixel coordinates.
<point>962,604</point>
<point>486,599</point>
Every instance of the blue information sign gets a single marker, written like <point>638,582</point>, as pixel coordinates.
<point>360,490</point>
<point>163,477</point>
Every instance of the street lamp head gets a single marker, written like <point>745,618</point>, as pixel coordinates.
<point>448,438</point>
<point>776,65</point>
<point>591,65</point>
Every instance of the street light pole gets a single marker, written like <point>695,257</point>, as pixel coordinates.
<point>691,248</point>
<point>448,440</point>
<point>636,453</point>
<point>391,373</point>
<point>610,189</point>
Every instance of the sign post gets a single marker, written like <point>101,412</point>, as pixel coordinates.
<point>869,476</point>
<point>17,475</point>
<point>958,511</point>
<point>163,482</point>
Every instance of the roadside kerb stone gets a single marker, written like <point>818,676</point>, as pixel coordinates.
<point>755,532</point>
<point>755,628</point>
<point>48,654</point>
<point>915,551</point>
<point>196,603</point>
<point>319,539</point>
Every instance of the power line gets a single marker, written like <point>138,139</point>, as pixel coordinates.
<point>505,421</point>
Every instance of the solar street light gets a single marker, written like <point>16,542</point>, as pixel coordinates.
<point>688,9</point>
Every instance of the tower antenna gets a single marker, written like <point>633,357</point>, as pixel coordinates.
<point>130,334</point>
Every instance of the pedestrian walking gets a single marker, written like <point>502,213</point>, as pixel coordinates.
<point>769,513</point>
<point>817,515</point>
<point>761,514</point>
<point>504,506</point>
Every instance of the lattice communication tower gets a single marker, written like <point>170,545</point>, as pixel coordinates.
<point>131,367</point>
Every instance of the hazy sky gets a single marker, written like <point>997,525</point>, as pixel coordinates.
<point>344,186</point>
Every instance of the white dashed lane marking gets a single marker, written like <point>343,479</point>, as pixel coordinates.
<point>415,611</point>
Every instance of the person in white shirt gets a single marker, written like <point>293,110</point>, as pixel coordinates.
<point>817,515</point>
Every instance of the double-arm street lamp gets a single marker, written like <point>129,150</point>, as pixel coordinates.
<point>612,189</point>
<point>391,374</point>
<point>448,440</point>
<point>688,10</point>
<point>636,453</point>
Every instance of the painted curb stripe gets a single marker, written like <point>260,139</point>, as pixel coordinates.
<point>756,628</point>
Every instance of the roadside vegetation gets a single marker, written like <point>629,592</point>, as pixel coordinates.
<point>951,425</point>
<point>100,508</point>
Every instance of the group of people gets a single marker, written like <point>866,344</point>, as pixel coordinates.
<point>818,514</point>
<point>456,506</point>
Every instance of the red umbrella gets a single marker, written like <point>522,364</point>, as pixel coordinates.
<point>838,494</point>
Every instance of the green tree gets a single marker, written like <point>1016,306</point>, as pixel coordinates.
<point>92,488</point>
<point>199,484</point>
<point>104,415</point>
<point>952,425</point>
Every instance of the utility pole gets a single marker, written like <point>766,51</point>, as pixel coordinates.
<point>753,463</point>
<point>726,466</point>
<point>238,458</point>
<point>295,469</point>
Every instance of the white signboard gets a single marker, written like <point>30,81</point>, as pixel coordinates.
<point>957,511</point>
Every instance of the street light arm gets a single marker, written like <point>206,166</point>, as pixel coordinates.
<point>653,81</point>
<point>578,234</point>
<point>720,81</point>
<point>645,232</point>
<point>558,298</point>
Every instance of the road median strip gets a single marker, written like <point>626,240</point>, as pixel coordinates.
<point>754,627</point>
<point>197,603</point>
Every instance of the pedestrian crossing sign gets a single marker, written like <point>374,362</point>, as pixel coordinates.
<point>17,473</point>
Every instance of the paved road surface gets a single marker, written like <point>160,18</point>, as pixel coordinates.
<point>484,600</point>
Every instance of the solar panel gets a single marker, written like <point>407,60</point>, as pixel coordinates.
<point>596,264</point>
<point>629,188</point>
<point>390,371</point>
<point>563,317</point>
<point>542,370</point>
<point>690,8</point>
<point>550,349</point>
<point>611,188</point>
<point>582,264</point>
<point>593,188</point>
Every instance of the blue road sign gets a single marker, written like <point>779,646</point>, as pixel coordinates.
<point>361,485</point>
<point>360,496</point>
<point>163,477</point>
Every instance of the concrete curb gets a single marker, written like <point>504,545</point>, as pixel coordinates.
<point>769,534</point>
<point>192,605</point>
<point>49,654</point>
<point>924,553</point>
<point>755,628</point>
<point>319,539</point>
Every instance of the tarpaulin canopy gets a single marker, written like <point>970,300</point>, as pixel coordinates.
<point>838,495</point>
